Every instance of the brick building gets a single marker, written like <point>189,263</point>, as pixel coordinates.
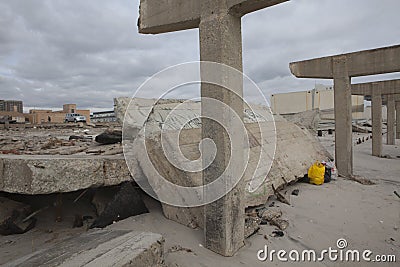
<point>12,106</point>
<point>37,116</point>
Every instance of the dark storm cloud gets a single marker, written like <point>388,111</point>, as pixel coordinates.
<point>87,52</point>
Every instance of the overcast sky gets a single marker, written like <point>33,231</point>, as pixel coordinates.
<point>88,51</point>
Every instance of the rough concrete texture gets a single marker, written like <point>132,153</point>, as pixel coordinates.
<point>101,248</point>
<point>376,124</point>
<point>290,161</point>
<point>391,120</point>
<point>31,175</point>
<point>219,24</point>
<point>297,149</point>
<point>397,119</point>
<point>343,117</point>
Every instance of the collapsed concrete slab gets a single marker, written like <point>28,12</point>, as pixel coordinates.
<point>296,150</point>
<point>24,174</point>
<point>101,248</point>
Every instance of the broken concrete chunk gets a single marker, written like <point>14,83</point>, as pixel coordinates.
<point>269,215</point>
<point>280,223</point>
<point>251,226</point>
<point>12,214</point>
<point>109,137</point>
<point>101,248</point>
<point>111,207</point>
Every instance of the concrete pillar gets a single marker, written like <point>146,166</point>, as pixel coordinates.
<point>221,42</point>
<point>343,117</point>
<point>391,117</point>
<point>376,124</point>
<point>398,120</point>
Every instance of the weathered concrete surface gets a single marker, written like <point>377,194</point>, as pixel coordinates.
<point>221,41</point>
<point>162,16</point>
<point>101,248</point>
<point>388,87</point>
<point>343,117</point>
<point>376,124</point>
<point>362,63</point>
<point>290,160</point>
<point>341,68</point>
<point>397,119</point>
<point>296,150</point>
<point>219,25</point>
<point>391,120</point>
<point>31,175</point>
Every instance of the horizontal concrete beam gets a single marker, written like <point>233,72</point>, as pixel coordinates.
<point>32,175</point>
<point>160,16</point>
<point>368,62</point>
<point>243,7</point>
<point>383,87</point>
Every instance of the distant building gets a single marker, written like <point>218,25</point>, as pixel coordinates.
<point>320,98</point>
<point>39,116</point>
<point>12,106</point>
<point>103,116</point>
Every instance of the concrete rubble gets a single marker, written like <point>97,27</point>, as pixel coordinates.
<point>101,248</point>
<point>296,150</point>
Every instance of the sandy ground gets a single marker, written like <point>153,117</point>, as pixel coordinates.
<point>368,217</point>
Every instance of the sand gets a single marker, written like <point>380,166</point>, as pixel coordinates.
<point>367,216</point>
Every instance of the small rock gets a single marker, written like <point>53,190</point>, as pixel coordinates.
<point>251,226</point>
<point>277,233</point>
<point>125,203</point>
<point>109,137</point>
<point>280,223</point>
<point>12,214</point>
<point>268,215</point>
<point>295,192</point>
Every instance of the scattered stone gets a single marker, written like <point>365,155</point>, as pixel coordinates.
<point>269,215</point>
<point>279,196</point>
<point>251,226</point>
<point>397,194</point>
<point>277,233</point>
<point>295,192</point>
<point>178,248</point>
<point>12,216</point>
<point>109,137</point>
<point>280,223</point>
<point>272,204</point>
<point>125,203</point>
<point>361,180</point>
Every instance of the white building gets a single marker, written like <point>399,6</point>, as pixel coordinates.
<point>320,98</point>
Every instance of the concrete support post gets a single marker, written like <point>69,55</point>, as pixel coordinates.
<point>343,117</point>
<point>221,42</point>
<point>398,120</point>
<point>376,124</point>
<point>391,116</point>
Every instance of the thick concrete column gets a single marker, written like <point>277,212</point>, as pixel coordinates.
<point>376,124</point>
<point>397,120</point>
<point>391,117</point>
<point>343,117</point>
<point>221,42</point>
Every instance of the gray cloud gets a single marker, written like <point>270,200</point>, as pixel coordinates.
<point>87,52</point>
